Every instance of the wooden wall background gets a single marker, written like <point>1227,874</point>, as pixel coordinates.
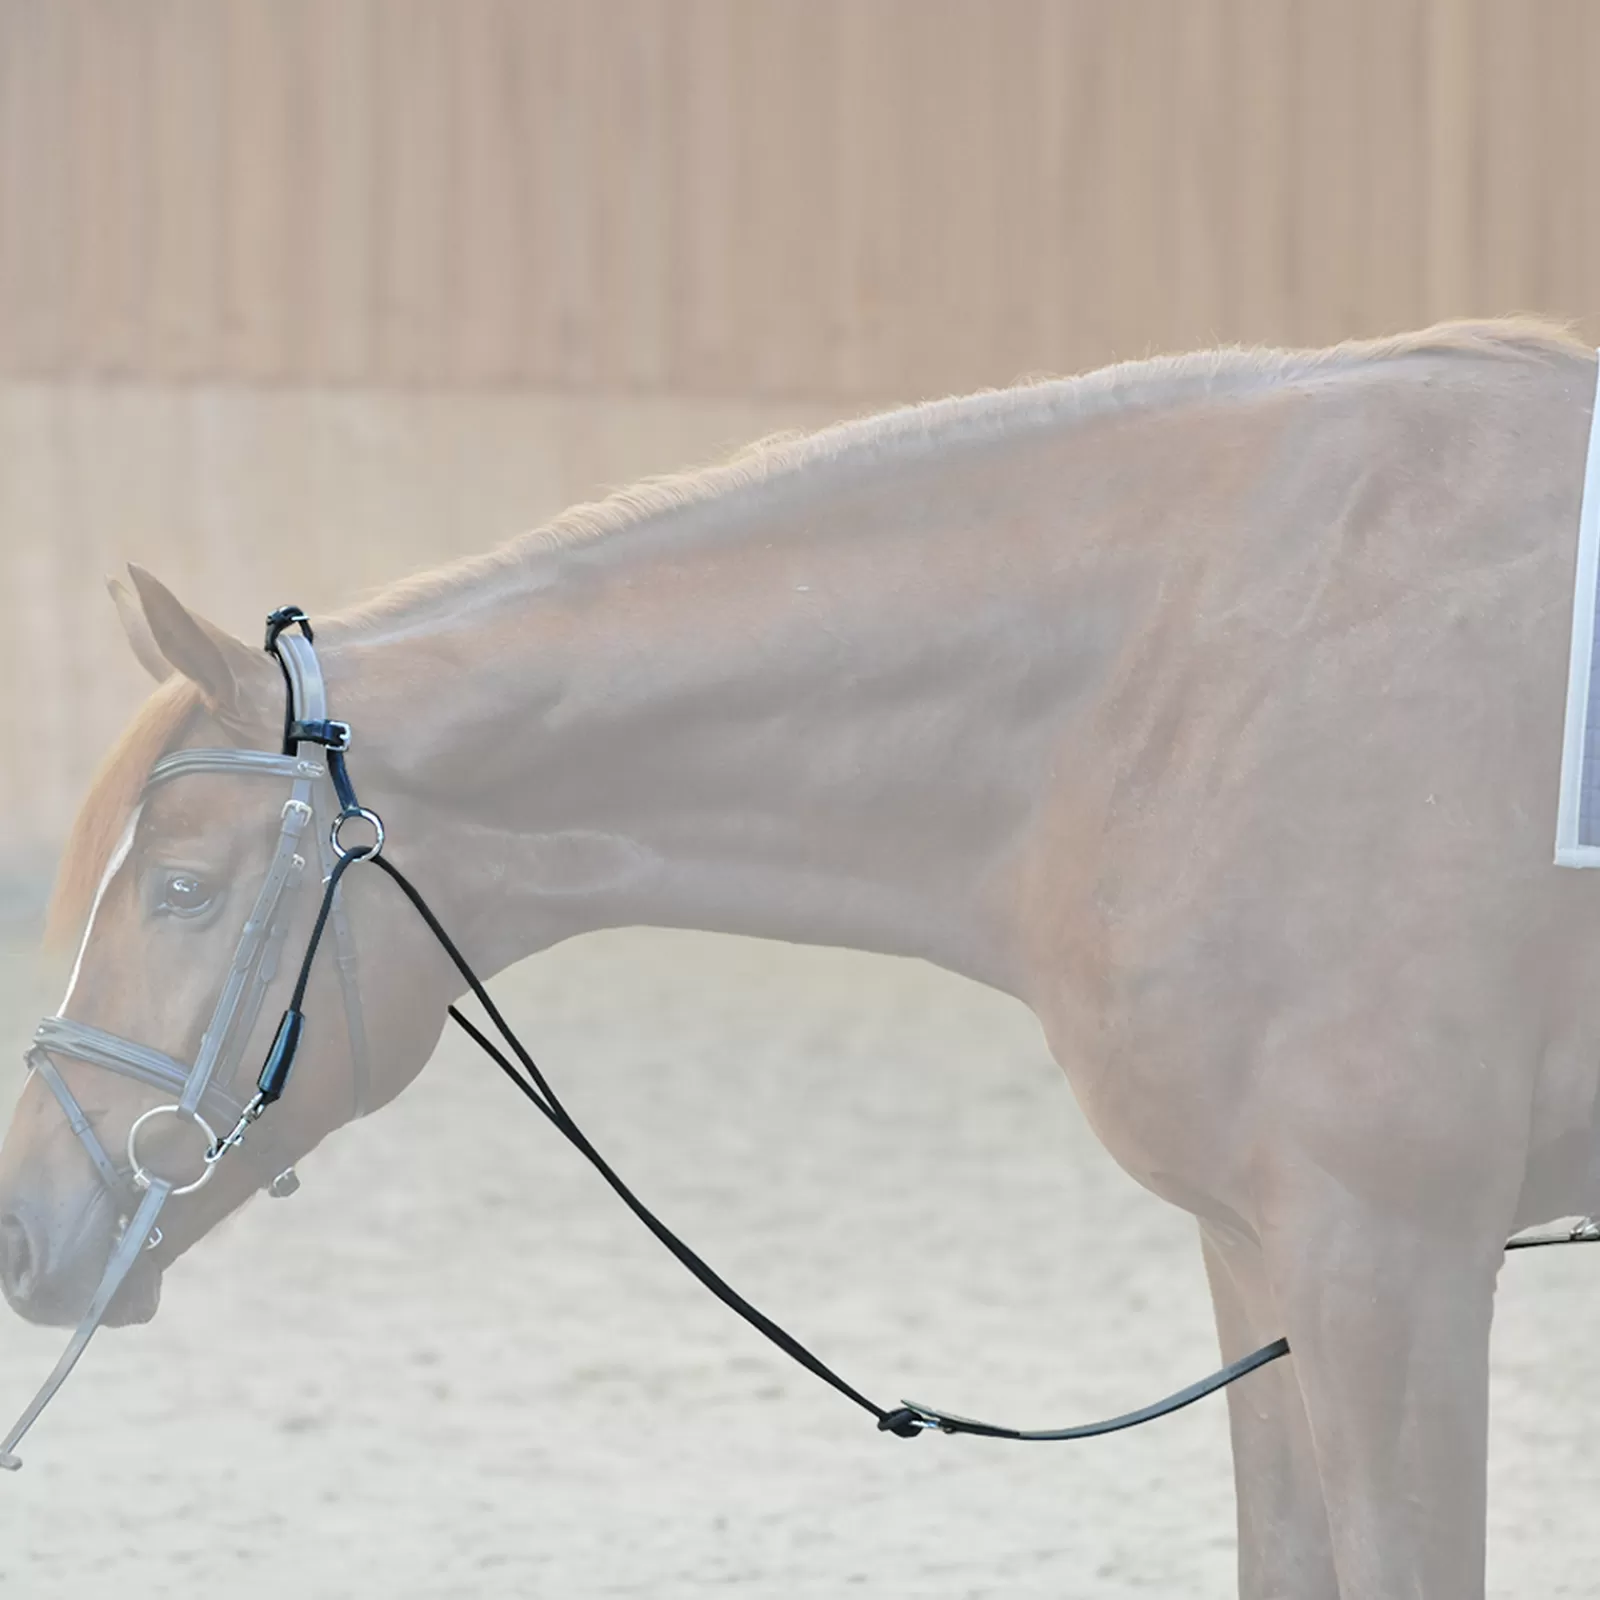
<point>774,197</point>
<point>296,295</point>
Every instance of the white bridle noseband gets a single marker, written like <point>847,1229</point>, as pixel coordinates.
<point>205,1093</point>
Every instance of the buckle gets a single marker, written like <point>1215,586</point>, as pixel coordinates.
<point>285,1184</point>
<point>334,736</point>
<point>283,618</point>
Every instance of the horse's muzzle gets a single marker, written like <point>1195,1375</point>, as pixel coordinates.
<point>48,1273</point>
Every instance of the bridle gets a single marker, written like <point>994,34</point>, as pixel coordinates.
<point>206,1093</point>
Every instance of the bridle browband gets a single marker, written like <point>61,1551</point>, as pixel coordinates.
<point>206,1095</point>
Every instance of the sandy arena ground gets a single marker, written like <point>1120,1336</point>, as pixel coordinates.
<point>454,1366</point>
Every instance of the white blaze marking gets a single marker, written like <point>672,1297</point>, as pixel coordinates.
<point>113,867</point>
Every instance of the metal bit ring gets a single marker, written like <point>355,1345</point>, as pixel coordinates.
<point>141,1176</point>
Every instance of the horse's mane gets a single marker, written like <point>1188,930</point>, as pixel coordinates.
<point>933,426</point>
<point>112,796</point>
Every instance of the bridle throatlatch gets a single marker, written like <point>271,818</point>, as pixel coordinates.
<point>204,1090</point>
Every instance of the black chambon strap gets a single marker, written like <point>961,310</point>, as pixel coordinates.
<point>906,1420</point>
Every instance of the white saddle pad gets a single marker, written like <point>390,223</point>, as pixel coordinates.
<point>1578,816</point>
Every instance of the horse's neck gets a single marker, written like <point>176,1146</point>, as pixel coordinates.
<point>819,711</point>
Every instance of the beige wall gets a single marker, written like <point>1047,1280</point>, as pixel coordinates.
<point>775,197</point>
<point>244,499</point>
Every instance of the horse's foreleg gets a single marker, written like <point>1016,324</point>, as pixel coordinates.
<point>1284,1551</point>
<point>1388,1323</point>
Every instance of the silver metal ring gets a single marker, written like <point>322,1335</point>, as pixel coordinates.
<point>373,821</point>
<point>143,1178</point>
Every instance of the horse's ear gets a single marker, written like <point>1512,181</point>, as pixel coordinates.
<point>131,616</point>
<point>240,685</point>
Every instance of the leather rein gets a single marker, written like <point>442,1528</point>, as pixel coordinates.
<point>205,1094</point>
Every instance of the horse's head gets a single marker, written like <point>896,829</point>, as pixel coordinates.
<point>169,884</point>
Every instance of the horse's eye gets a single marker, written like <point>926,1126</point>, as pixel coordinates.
<point>185,895</point>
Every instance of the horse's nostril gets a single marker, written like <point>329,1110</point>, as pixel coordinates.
<point>19,1258</point>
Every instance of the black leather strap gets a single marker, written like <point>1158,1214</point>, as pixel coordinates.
<point>283,618</point>
<point>278,622</point>
<point>925,1417</point>
<point>335,735</point>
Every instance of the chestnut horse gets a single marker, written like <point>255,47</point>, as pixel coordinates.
<point>1211,706</point>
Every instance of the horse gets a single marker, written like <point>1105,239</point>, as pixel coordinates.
<point>1211,706</point>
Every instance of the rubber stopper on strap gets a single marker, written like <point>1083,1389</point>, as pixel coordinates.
<point>280,1058</point>
<point>904,1423</point>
